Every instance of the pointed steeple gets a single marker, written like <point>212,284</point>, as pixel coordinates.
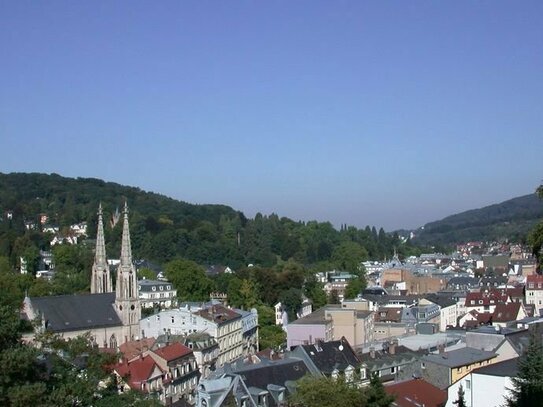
<point>100,253</point>
<point>127,291</point>
<point>126,249</point>
<point>101,278</point>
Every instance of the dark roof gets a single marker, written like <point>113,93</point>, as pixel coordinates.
<point>401,356</point>
<point>275,373</point>
<point>506,312</point>
<point>443,301</point>
<point>77,312</point>
<point>147,285</point>
<point>507,368</point>
<point>417,392</point>
<point>459,357</point>
<point>328,356</point>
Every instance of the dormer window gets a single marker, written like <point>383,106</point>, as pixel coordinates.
<point>161,288</point>
<point>153,288</point>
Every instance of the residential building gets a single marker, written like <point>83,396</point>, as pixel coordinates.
<point>141,374</point>
<point>391,362</point>
<point>181,372</point>
<point>332,322</point>
<point>223,324</point>
<point>446,368</point>
<point>448,309</point>
<point>307,330</point>
<point>265,384</point>
<point>331,359</point>
<point>534,291</point>
<point>156,294</point>
<point>249,330</point>
<point>486,386</point>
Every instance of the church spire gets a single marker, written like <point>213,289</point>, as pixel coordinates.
<point>126,250</point>
<point>101,278</point>
<point>127,291</point>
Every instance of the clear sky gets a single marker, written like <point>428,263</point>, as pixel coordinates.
<point>390,114</point>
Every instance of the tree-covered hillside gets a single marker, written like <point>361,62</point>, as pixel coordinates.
<point>511,219</point>
<point>163,228</point>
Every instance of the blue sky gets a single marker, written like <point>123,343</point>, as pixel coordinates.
<point>391,114</point>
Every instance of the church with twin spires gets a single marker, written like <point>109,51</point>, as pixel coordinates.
<point>111,317</point>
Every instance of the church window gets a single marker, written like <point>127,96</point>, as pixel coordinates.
<point>173,319</point>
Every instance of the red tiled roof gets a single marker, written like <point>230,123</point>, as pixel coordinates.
<point>536,280</point>
<point>488,298</point>
<point>386,314</point>
<point>173,351</point>
<point>132,349</point>
<point>506,312</point>
<point>137,371</point>
<point>417,392</point>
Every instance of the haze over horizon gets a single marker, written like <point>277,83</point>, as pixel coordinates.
<point>391,114</point>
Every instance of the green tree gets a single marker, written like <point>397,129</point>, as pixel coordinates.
<point>375,395</point>
<point>348,256</point>
<point>313,290</point>
<point>189,279</point>
<point>460,401</point>
<point>326,392</point>
<point>145,273</point>
<point>291,300</point>
<point>528,384</point>
<point>355,287</point>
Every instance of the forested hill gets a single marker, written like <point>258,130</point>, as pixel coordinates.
<point>511,219</point>
<point>163,228</point>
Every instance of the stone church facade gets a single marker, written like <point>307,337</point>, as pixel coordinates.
<point>110,317</point>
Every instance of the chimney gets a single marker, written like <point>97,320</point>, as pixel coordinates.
<point>372,352</point>
<point>392,346</point>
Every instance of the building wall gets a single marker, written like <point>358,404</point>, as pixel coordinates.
<point>438,375</point>
<point>480,390</point>
<point>300,334</point>
<point>448,317</point>
<point>385,330</point>
<point>459,372</point>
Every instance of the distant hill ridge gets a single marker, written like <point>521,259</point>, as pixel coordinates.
<point>163,228</point>
<point>511,219</point>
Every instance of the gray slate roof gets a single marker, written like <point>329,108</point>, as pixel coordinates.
<point>507,368</point>
<point>459,357</point>
<point>77,312</point>
<point>147,285</point>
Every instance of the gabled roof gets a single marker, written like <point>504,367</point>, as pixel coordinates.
<point>506,312</point>
<point>77,312</point>
<point>443,301</point>
<point>137,371</point>
<point>416,393</point>
<point>173,351</point>
<point>330,356</point>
